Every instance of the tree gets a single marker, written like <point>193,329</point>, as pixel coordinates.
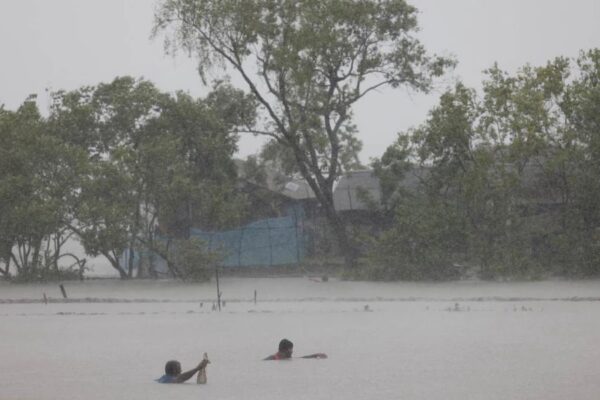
<point>473,197</point>
<point>38,181</point>
<point>153,159</point>
<point>107,123</point>
<point>203,135</point>
<point>306,63</point>
<point>428,234</point>
<point>187,156</point>
<point>282,157</point>
<point>515,171</point>
<point>577,167</point>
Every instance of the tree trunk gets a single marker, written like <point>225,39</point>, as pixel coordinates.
<point>114,262</point>
<point>57,248</point>
<point>164,254</point>
<point>16,263</point>
<point>6,256</point>
<point>35,259</point>
<point>345,243</point>
<point>130,261</point>
<point>5,271</point>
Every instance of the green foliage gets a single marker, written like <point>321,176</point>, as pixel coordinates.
<point>254,171</point>
<point>153,158</point>
<point>199,170</point>
<point>306,63</point>
<point>520,166</point>
<point>392,168</point>
<point>47,275</point>
<point>423,244</point>
<point>109,164</point>
<point>189,259</point>
<point>38,183</point>
<point>283,158</point>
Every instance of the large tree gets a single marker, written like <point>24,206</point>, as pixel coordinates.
<point>39,177</point>
<point>107,122</point>
<point>152,157</point>
<point>307,62</point>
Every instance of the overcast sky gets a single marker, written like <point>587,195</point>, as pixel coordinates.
<point>64,44</point>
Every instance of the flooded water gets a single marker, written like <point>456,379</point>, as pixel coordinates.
<point>462,340</point>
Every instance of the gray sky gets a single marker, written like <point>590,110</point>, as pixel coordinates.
<point>64,44</point>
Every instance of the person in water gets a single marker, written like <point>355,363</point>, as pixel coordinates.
<point>286,349</point>
<point>173,372</point>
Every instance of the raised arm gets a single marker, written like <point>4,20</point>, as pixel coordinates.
<point>184,376</point>
<point>316,355</point>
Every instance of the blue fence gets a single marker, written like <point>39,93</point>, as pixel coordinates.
<point>273,241</point>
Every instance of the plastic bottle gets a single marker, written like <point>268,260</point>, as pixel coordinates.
<point>201,378</point>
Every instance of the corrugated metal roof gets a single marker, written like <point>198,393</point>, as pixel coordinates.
<point>293,188</point>
<point>350,192</point>
<point>297,189</point>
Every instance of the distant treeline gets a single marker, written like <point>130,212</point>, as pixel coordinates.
<point>505,184</point>
<point>106,165</point>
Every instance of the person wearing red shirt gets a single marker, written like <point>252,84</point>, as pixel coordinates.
<point>286,349</point>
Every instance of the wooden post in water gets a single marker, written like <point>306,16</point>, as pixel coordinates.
<point>254,296</point>
<point>62,289</point>
<point>218,290</point>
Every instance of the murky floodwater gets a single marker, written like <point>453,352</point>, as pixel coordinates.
<point>463,340</point>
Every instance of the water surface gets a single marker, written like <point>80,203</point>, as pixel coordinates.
<point>461,340</point>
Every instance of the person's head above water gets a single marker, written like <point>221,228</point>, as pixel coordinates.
<point>172,368</point>
<point>286,348</point>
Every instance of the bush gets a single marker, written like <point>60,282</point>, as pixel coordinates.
<point>191,259</point>
<point>47,275</point>
<point>423,244</point>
